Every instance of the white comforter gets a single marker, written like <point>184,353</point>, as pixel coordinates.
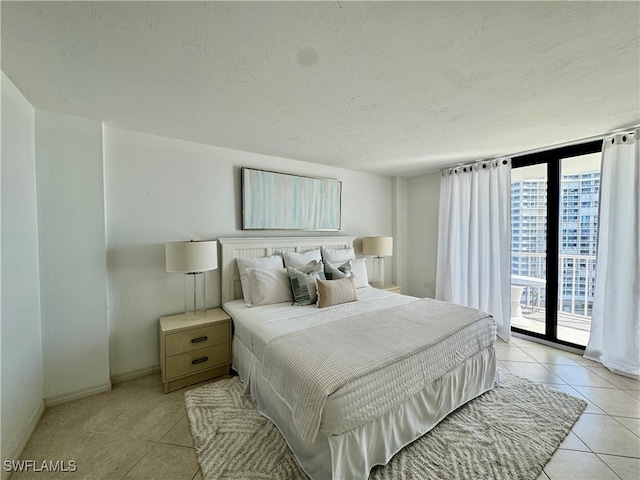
<point>365,397</point>
<point>306,366</point>
<point>257,326</point>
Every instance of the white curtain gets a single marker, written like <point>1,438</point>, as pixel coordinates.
<point>615,320</point>
<point>474,239</point>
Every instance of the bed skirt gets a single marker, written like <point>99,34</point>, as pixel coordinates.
<point>352,454</point>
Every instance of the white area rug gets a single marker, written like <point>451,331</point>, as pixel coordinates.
<point>508,433</point>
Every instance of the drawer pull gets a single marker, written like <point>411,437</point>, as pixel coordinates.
<point>199,339</point>
<point>199,360</point>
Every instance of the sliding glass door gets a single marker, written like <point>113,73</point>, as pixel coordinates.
<point>580,186</point>
<point>554,218</point>
<point>529,247</point>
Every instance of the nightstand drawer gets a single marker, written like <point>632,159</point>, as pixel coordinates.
<point>196,339</point>
<point>187,363</point>
<point>194,348</point>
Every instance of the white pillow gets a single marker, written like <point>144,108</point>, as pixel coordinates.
<point>269,286</point>
<point>266,263</point>
<point>338,255</point>
<point>359,269</point>
<point>294,259</point>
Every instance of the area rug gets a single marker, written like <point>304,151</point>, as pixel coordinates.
<point>508,433</point>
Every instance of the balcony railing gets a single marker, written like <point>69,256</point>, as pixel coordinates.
<point>576,282</point>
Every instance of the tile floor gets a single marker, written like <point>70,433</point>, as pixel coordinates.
<point>137,432</point>
<point>605,441</point>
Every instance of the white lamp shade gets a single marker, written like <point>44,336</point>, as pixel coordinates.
<point>378,246</point>
<point>188,257</point>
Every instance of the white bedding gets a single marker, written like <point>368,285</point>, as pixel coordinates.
<point>256,326</point>
<point>306,367</point>
<point>352,454</point>
<point>339,452</point>
<point>369,395</point>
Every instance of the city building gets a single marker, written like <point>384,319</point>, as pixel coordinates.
<point>578,236</point>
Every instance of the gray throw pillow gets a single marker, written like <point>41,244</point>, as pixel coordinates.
<point>303,282</point>
<point>332,272</point>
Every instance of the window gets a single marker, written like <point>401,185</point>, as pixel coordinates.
<point>554,222</point>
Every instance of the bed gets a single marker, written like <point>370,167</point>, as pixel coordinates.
<point>350,385</point>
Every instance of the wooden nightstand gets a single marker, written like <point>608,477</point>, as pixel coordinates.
<point>194,348</point>
<point>389,287</point>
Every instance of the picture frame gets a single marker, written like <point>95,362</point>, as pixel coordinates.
<point>283,201</point>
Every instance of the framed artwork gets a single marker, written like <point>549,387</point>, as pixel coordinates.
<point>280,201</point>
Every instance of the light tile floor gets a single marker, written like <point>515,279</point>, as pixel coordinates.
<point>605,441</point>
<point>136,431</point>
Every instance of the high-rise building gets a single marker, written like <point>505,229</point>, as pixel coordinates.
<point>578,236</point>
<point>578,230</point>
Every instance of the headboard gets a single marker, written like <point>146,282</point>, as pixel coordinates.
<point>249,247</point>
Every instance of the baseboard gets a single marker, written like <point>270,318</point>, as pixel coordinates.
<point>547,343</point>
<point>86,392</point>
<point>75,394</point>
<point>26,435</point>
<point>133,374</point>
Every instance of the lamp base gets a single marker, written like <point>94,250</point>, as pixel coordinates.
<point>378,270</point>
<point>195,302</point>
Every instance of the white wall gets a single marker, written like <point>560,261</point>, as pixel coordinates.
<point>423,198</point>
<point>400,231</point>
<point>21,348</point>
<point>161,189</point>
<point>73,276</point>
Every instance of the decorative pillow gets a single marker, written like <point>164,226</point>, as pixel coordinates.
<point>294,259</point>
<point>303,282</point>
<point>333,273</point>
<point>338,255</point>
<point>269,286</point>
<point>334,292</point>
<point>266,263</point>
<point>359,268</point>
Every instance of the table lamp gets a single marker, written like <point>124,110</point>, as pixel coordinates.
<point>379,247</point>
<point>193,259</point>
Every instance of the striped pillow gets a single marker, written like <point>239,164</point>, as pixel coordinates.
<point>274,261</point>
<point>334,292</point>
<point>269,286</point>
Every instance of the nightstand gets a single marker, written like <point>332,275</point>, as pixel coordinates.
<point>389,287</point>
<point>194,348</point>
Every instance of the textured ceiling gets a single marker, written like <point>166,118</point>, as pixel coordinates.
<point>397,88</point>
